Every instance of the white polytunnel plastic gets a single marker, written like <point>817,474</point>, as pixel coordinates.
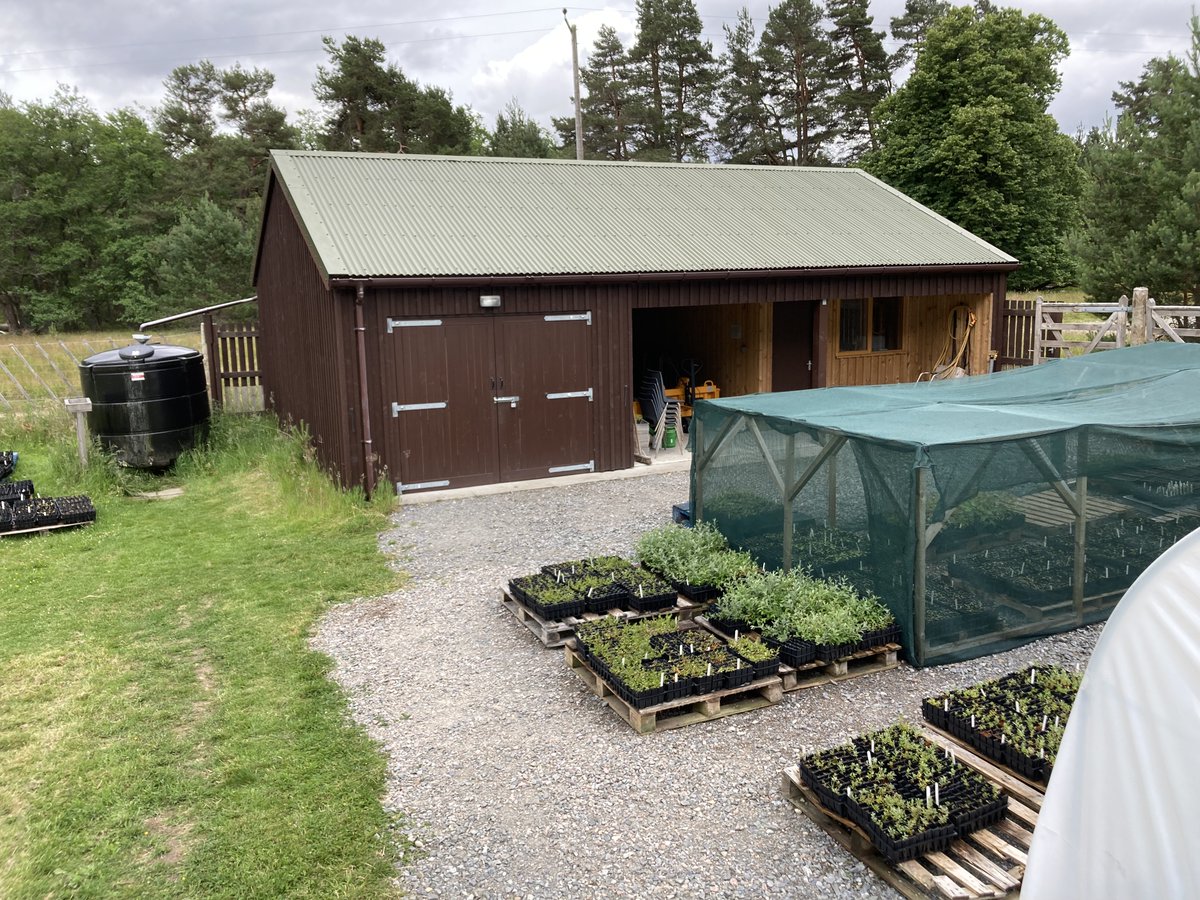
<point>1121,818</point>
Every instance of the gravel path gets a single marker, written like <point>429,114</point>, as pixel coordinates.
<point>514,780</point>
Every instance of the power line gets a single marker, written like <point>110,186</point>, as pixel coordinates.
<point>257,53</point>
<point>339,29</point>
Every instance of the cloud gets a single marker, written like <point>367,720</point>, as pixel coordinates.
<point>539,75</point>
<point>119,53</point>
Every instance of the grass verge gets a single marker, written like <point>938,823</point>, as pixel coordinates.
<point>164,728</point>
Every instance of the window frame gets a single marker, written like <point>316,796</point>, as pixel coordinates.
<point>870,328</point>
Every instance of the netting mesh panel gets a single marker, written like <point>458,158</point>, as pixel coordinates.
<point>1023,537</point>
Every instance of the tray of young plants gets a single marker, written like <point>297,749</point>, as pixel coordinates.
<point>8,462</point>
<point>830,549</point>
<point>743,513</point>
<point>989,514</point>
<point>1016,720</point>
<point>697,561</point>
<point>595,584</point>
<point>906,794</point>
<point>805,618</point>
<point>953,609</point>
<point>16,491</point>
<point>651,661</point>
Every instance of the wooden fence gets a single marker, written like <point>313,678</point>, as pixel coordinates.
<point>1016,336</point>
<point>46,370</point>
<point>231,357</point>
<point>1033,331</point>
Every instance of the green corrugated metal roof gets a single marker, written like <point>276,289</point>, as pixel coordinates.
<point>385,215</point>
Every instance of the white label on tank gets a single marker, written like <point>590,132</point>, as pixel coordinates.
<point>137,376</point>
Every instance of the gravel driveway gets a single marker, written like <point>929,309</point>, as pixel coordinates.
<point>514,780</point>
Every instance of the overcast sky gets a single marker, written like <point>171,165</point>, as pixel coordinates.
<point>484,51</point>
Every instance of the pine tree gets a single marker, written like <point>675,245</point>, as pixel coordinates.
<point>910,29</point>
<point>795,56</point>
<point>675,79</point>
<point>608,106</point>
<point>862,70</point>
<point>1141,208</point>
<point>518,136</point>
<point>372,105</point>
<point>747,126</point>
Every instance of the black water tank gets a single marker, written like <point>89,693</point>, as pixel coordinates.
<point>149,401</point>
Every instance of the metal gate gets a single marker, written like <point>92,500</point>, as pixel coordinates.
<point>480,399</point>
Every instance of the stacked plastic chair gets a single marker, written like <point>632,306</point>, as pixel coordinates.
<point>657,409</point>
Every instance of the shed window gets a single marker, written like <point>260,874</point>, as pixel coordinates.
<point>870,324</point>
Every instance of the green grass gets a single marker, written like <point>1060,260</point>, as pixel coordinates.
<point>164,729</point>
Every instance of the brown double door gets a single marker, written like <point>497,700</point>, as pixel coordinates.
<point>479,399</point>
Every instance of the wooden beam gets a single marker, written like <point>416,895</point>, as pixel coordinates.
<point>831,448</point>
<point>728,430</point>
<point>766,454</point>
<point>789,525</point>
<point>1043,464</point>
<point>922,473</point>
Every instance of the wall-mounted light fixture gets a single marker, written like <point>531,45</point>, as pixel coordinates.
<point>489,301</point>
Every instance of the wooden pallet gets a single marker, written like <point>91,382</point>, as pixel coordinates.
<point>986,863</point>
<point>684,711</point>
<point>814,674</point>
<point>865,662</point>
<point>4,534</point>
<point>554,633</point>
<point>1047,509</point>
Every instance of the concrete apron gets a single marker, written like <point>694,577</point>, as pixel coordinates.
<point>667,462</point>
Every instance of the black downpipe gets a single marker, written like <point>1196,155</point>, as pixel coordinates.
<point>364,409</point>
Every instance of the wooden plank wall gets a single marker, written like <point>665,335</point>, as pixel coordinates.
<point>306,345</point>
<point>732,342</point>
<point>924,334</point>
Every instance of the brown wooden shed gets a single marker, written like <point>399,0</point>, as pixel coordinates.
<point>457,321</point>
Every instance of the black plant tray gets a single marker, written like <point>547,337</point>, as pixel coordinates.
<point>794,652</point>
<point>649,603</point>
<point>981,816</point>
<point>834,803</point>
<point>935,714</point>
<point>729,626</point>
<point>602,601</point>
<point>830,652</point>
<point>557,610</point>
<point>697,593</point>
<point>763,668</point>
<point>743,676</point>
<point>879,637</point>
<point>934,840</point>
<point>16,491</point>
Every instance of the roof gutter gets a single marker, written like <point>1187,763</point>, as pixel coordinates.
<point>417,281</point>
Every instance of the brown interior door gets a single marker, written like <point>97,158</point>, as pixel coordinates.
<point>792,346</point>
<point>440,400</point>
<point>545,362</point>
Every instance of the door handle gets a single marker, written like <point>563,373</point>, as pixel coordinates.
<point>511,401</point>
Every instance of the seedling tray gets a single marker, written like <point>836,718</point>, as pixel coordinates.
<point>683,711</point>
<point>987,863</point>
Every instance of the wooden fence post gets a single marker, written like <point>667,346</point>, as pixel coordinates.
<point>212,350</point>
<point>1140,326</point>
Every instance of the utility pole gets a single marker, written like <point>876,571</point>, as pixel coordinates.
<point>575,72</point>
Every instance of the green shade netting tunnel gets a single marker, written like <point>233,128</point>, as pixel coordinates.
<point>985,511</point>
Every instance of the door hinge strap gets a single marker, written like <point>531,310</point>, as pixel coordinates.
<point>567,395</point>
<point>420,485</point>
<point>398,408</point>
<point>571,317</point>
<point>589,466</point>
<point>393,324</point>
